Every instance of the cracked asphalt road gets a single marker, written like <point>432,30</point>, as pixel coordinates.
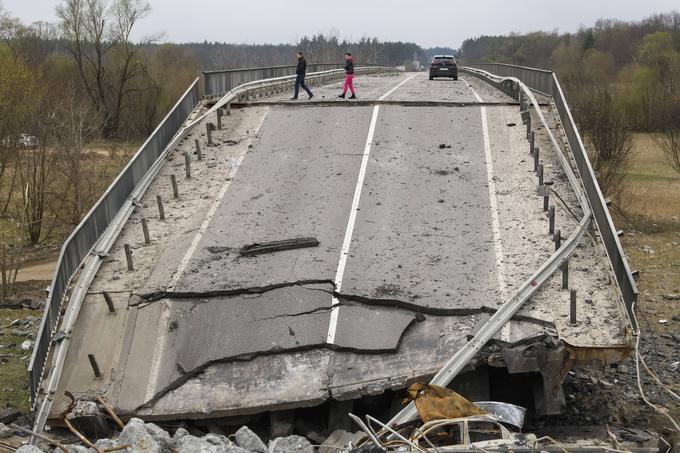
<point>398,197</point>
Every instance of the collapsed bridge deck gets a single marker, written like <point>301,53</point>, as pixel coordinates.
<point>426,216</point>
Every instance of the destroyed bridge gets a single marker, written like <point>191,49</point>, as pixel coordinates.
<point>259,255</point>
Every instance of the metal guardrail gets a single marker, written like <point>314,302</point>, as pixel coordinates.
<point>546,82</point>
<point>222,81</point>
<point>79,245</point>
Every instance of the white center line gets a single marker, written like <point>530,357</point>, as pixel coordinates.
<point>333,325</point>
<point>384,96</point>
<point>164,320</point>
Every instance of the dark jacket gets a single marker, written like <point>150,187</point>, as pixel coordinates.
<point>301,66</point>
<point>349,66</point>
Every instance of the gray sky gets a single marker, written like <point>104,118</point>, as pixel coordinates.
<point>428,23</point>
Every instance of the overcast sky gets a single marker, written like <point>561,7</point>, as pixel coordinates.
<point>428,23</point>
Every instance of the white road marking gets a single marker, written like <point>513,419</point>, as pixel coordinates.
<point>495,223</point>
<point>479,99</point>
<point>384,96</point>
<point>163,322</point>
<point>335,305</point>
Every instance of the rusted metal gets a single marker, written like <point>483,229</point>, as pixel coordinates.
<point>109,410</point>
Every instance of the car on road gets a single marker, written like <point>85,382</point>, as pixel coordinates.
<point>23,141</point>
<point>444,66</point>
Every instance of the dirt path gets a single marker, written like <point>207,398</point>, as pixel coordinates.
<point>37,271</point>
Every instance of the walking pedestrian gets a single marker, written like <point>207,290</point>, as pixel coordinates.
<point>349,77</point>
<point>300,71</point>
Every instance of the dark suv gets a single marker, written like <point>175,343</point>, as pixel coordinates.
<point>444,66</point>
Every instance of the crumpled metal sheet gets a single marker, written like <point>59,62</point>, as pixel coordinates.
<point>437,403</point>
<point>504,412</point>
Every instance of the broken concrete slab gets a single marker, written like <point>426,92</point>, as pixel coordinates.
<point>375,329</point>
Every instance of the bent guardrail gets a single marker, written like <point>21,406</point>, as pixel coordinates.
<point>79,245</point>
<point>546,82</point>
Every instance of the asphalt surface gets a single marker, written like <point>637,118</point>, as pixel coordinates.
<point>399,198</point>
<point>421,238</point>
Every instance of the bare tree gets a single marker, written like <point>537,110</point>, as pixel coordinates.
<point>669,140</point>
<point>76,125</point>
<point>11,248</point>
<point>611,141</point>
<point>104,54</point>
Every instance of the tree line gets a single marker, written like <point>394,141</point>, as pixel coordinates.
<point>618,77</point>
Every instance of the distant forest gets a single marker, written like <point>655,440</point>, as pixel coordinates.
<point>633,65</point>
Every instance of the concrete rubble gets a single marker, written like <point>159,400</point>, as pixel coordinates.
<point>141,437</point>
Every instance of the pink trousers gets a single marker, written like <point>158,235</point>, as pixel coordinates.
<point>348,83</point>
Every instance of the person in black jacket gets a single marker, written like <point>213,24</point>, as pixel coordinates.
<point>349,77</point>
<point>300,76</point>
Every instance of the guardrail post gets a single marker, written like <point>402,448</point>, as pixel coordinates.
<point>161,211</point>
<point>109,302</point>
<point>95,366</point>
<point>145,230</point>
<point>187,165</point>
<point>175,190</point>
<point>228,108</point>
<point>565,275</point>
<point>536,155</point>
<point>557,237</point>
<point>540,175</point>
<point>532,139</point>
<point>546,200</point>
<point>128,257</point>
<point>199,154</point>
<point>528,122</point>
<point>219,119</point>
<point>208,132</point>
<point>572,307</point>
<point>551,220</point>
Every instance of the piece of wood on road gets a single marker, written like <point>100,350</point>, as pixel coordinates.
<point>277,246</point>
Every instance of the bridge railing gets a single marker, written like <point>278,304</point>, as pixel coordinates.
<point>79,245</point>
<point>222,81</point>
<point>546,82</point>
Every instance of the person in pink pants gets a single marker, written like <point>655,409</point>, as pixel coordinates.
<point>349,77</point>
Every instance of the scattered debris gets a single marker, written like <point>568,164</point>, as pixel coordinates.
<point>277,246</point>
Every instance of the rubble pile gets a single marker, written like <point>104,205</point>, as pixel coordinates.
<point>140,437</point>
